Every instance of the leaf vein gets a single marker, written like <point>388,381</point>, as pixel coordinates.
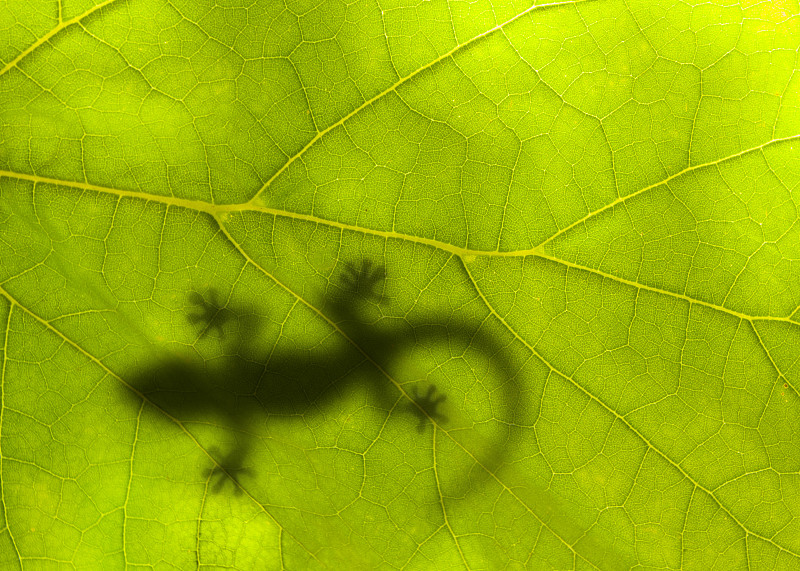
<point>621,418</point>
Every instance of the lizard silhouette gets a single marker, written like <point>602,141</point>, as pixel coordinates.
<point>291,381</point>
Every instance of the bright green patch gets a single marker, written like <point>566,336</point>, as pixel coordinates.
<point>292,284</point>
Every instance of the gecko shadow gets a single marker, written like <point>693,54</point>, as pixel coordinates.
<point>287,381</point>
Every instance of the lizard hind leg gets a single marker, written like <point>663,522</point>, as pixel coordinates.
<point>426,407</point>
<point>228,467</point>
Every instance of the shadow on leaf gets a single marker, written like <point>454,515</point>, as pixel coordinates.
<point>233,391</point>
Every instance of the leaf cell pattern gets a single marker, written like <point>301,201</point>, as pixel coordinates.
<point>251,246</point>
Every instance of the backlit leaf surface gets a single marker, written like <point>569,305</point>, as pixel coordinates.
<point>377,284</point>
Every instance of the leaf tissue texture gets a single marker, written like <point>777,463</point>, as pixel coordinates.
<point>399,284</point>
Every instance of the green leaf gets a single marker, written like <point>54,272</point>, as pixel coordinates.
<point>399,284</point>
